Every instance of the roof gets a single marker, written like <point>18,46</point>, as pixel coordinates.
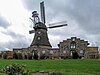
<point>40,25</point>
<point>92,49</point>
<point>54,49</point>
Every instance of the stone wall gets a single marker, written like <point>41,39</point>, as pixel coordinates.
<point>92,53</point>
<point>65,50</point>
<point>73,44</point>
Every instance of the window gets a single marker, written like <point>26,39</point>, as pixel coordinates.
<point>43,52</point>
<point>64,51</point>
<point>38,38</point>
<point>81,51</point>
<point>73,39</point>
<point>39,32</point>
<point>73,45</point>
<point>19,51</point>
<point>51,52</point>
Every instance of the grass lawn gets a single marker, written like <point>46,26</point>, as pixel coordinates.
<point>67,67</point>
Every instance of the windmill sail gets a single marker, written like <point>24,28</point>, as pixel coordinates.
<point>42,9</point>
<point>31,31</point>
<point>57,26</point>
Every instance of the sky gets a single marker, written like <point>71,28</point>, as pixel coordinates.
<point>82,16</point>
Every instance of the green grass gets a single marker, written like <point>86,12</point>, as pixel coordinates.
<point>67,67</point>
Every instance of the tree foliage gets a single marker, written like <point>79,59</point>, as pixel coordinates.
<point>15,56</point>
<point>15,69</point>
<point>35,56</point>
<point>4,55</point>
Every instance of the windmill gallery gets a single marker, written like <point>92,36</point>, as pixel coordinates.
<point>41,48</point>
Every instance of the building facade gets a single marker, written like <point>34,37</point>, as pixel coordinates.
<point>67,49</point>
<point>92,53</point>
<point>76,45</point>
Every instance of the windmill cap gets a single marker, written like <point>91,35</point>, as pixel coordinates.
<point>40,25</point>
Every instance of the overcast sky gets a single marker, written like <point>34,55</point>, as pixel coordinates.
<point>82,16</point>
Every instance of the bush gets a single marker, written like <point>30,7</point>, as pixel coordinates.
<point>0,55</point>
<point>15,69</point>
<point>4,55</point>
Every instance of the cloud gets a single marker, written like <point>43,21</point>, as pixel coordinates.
<point>82,17</point>
<point>18,41</point>
<point>86,14</point>
<point>31,4</point>
<point>3,22</point>
<point>14,44</point>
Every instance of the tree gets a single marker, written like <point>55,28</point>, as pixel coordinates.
<point>35,54</point>
<point>4,55</point>
<point>15,56</point>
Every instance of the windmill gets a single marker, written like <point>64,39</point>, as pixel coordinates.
<point>40,29</point>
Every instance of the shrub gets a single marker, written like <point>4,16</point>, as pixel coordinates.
<point>15,69</point>
<point>0,55</point>
<point>4,55</point>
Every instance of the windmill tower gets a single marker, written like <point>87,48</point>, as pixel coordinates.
<point>40,29</point>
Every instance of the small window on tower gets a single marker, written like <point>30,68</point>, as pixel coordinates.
<point>39,32</point>
<point>39,38</point>
<point>73,39</point>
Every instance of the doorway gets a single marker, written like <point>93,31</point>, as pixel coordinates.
<point>74,54</point>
